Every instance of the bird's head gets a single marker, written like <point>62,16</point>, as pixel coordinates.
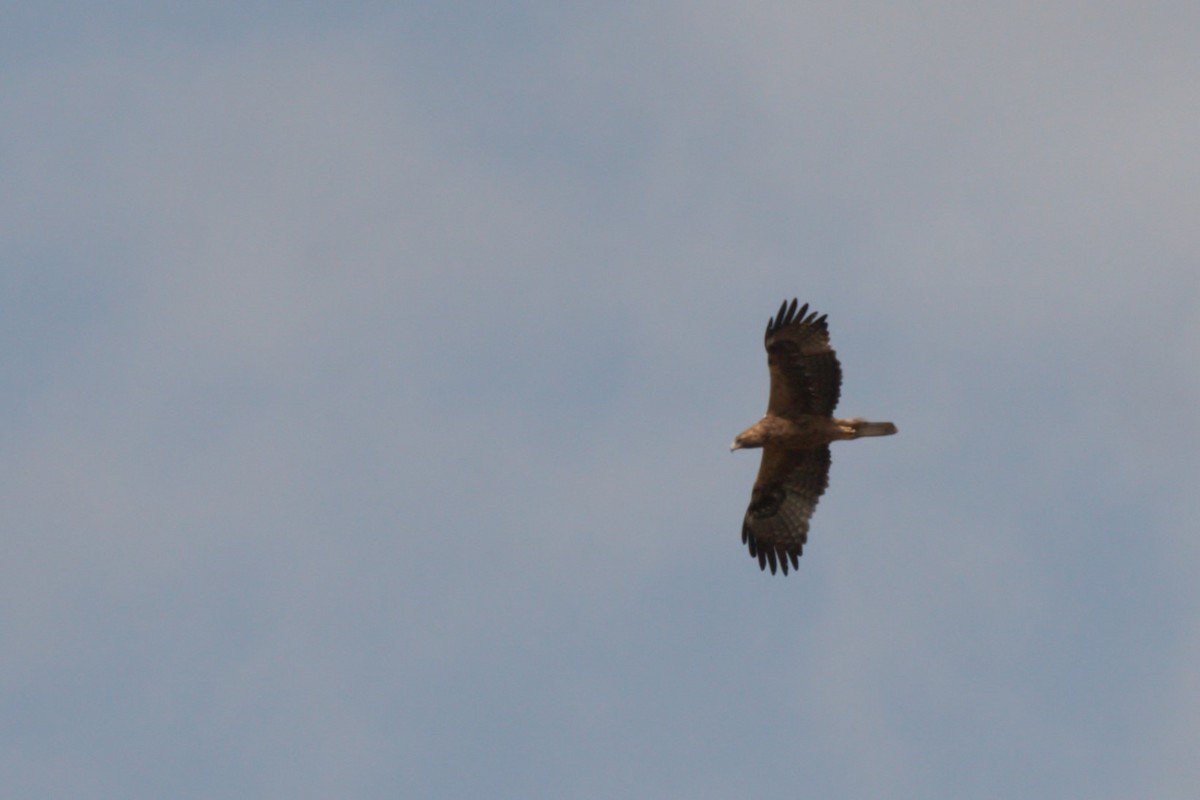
<point>749,438</point>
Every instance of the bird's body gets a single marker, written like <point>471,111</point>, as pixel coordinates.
<point>794,435</point>
<point>806,431</point>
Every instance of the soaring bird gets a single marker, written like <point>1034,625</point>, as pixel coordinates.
<point>806,380</point>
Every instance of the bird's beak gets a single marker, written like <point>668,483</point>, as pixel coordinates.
<point>734,446</point>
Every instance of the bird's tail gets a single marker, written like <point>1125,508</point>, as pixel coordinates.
<point>864,428</point>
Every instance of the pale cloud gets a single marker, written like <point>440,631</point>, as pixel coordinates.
<point>392,442</point>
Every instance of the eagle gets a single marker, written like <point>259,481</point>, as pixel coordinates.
<point>806,380</point>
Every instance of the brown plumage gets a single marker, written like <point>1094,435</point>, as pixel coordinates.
<point>806,380</point>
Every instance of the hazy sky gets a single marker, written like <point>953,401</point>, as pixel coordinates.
<point>369,376</point>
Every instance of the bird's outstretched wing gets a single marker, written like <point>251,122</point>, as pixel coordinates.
<point>785,495</point>
<point>806,377</point>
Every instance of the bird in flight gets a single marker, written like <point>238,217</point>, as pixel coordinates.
<point>806,380</point>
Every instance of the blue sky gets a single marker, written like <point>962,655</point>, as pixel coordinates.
<point>369,378</point>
